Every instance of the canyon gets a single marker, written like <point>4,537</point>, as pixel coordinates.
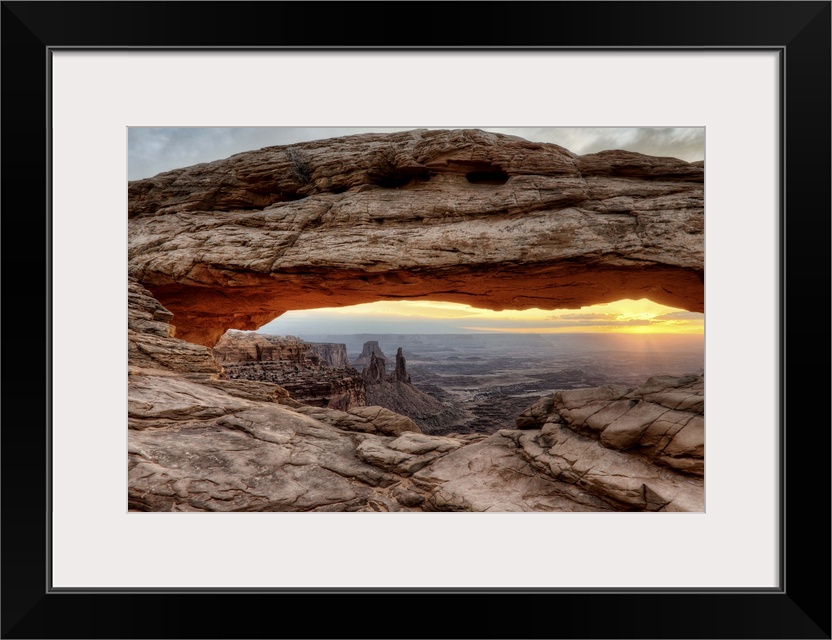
<point>319,374</point>
<point>442,215</point>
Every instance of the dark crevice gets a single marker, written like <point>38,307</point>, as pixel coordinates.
<point>493,176</point>
<point>387,173</point>
<point>479,171</point>
<point>399,178</point>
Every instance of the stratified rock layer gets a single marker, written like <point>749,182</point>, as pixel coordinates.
<point>332,355</point>
<point>302,368</point>
<point>151,345</point>
<point>662,420</point>
<point>461,216</point>
<point>198,442</point>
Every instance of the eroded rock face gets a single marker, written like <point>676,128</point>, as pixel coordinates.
<point>400,373</point>
<point>395,391</point>
<point>151,344</point>
<point>662,420</point>
<point>376,371</point>
<point>198,442</point>
<point>460,216</point>
<point>302,368</point>
<point>332,355</point>
<point>369,350</point>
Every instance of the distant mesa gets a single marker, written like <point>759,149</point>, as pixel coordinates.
<point>370,349</point>
<point>375,371</point>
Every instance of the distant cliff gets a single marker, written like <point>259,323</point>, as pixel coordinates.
<point>332,355</point>
<point>313,373</point>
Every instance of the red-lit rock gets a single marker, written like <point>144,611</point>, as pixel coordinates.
<point>461,216</point>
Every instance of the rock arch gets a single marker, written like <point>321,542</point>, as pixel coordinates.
<point>463,216</point>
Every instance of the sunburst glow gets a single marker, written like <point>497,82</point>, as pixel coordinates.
<point>407,316</point>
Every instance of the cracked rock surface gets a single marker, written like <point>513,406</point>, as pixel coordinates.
<point>461,216</point>
<point>313,373</point>
<point>200,442</point>
<point>458,216</point>
<point>662,420</point>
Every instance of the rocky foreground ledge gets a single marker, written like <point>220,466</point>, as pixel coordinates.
<point>199,442</point>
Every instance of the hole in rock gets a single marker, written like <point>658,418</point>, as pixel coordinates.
<point>487,177</point>
<point>454,368</point>
<point>398,179</point>
<point>288,196</point>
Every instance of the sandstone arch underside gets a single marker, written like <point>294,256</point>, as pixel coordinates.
<point>462,216</point>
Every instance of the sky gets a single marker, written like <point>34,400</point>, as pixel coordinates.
<point>152,150</point>
<point>424,316</point>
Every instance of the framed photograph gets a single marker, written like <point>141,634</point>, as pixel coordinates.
<point>83,80</point>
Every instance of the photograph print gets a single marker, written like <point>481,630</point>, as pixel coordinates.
<point>410,320</point>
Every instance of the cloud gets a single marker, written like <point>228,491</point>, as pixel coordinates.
<point>681,315</point>
<point>685,143</point>
<point>152,150</point>
<point>585,316</point>
<point>299,324</point>
<point>589,320</point>
<point>429,316</point>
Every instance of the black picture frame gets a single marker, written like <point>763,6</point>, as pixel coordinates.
<point>799,608</point>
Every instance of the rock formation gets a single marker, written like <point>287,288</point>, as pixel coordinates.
<point>151,345</point>
<point>376,370</point>
<point>662,420</point>
<point>395,392</point>
<point>302,368</point>
<point>332,355</point>
<point>460,216</point>
<point>369,350</point>
<point>400,374</point>
<point>198,442</point>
